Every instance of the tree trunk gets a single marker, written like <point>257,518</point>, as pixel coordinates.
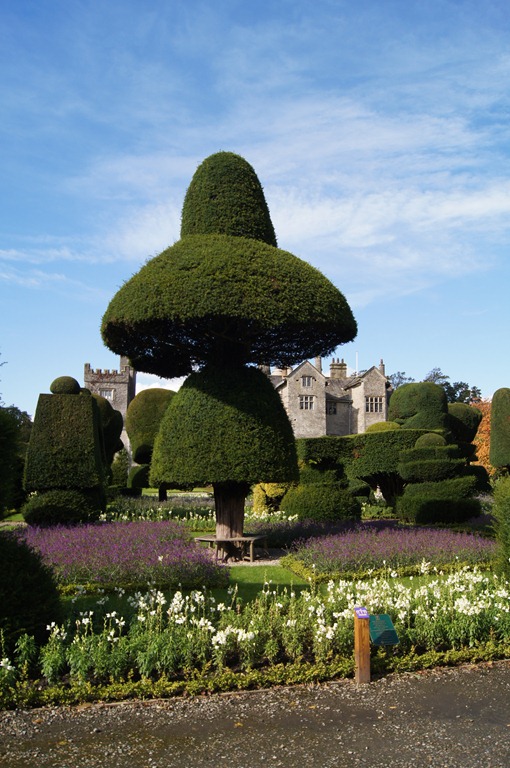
<point>162,494</point>
<point>229,500</point>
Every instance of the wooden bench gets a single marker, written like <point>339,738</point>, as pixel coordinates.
<point>239,547</point>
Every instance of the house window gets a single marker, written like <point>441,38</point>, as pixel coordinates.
<point>330,407</point>
<point>373,404</point>
<point>306,381</point>
<point>306,402</point>
<point>106,393</point>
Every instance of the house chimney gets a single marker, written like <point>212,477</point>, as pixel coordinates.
<point>337,369</point>
<point>318,363</point>
<point>382,368</point>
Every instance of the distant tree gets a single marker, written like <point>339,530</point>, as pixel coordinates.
<point>436,376</point>
<point>397,379</point>
<point>220,300</point>
<point>9,446</point>
<point>457,391</point>
<point>23,428</point>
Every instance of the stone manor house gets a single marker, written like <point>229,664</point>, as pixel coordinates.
<point>317,404</point>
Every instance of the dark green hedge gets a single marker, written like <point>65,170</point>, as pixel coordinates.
<point>499,455</point>
<point>139,477</point>
<point>463,421</point>
<point>112,425</point>
<point>450,501</point>
<point>64,507</point>
<point>28,594</point>
<point>432,470</point>
<point>501,513</point>
<point>321,502</point>
<point>65,448</point>
<point>224,426</point>
<point>143,420</point>
<point>225,197</point>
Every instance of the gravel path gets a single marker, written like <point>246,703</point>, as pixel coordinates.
<point>456,718</point>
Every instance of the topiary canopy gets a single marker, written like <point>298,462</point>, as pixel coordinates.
<point>225,427</point>
<point>225,292</point>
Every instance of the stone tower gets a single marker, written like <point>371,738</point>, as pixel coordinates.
<point>118,387</point>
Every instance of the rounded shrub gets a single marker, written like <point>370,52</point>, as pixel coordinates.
<point>430,440</point>
<point>382,426</point>
<point>325,503</point>
<point>449,501</point>
<point>65,385</point>
<point>63,507</point>
<point>139,477</point>
<point>28,593</point>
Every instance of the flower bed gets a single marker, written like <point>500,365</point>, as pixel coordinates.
<point>368,549</point>
<point>125,553</point>
<point>193,638</point>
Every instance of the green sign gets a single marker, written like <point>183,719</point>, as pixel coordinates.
<point>382,631</point>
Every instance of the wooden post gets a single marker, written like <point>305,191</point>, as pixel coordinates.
<point>361,646</point>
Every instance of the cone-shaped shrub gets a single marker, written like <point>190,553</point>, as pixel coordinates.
<point>143,420</point>
<point>225,197</point>
<point>499,455</point>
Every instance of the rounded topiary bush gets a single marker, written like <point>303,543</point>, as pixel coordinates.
<point>325,503</point>
<point>28,594</point>
<point>65,385</point>
<point>63,507</point>
<point>430,440</point>
<point>383,426</point>
<point>139,477</point>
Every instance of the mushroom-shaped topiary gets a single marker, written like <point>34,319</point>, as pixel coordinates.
<point>221,298</point>
<point>225,297</point>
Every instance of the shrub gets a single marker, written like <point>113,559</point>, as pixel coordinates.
<point>501,514</point>
<point>429,440</point>
<point>420,405</point>
<point>382,426</point>
<point>28,595</point>
<point>63,507</point>
<point>449,501</point>
<point>139,477</point>
<point>499,455</point>
<point>65,385</point>
<point>321,502</point>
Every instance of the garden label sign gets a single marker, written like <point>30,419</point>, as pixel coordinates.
<point>382,631</point>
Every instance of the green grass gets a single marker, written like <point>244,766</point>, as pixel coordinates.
<point>250,581</point>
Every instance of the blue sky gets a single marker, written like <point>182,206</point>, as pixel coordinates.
<point>378,128</point>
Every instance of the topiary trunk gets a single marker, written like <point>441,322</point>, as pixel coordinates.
<point>229,499</point>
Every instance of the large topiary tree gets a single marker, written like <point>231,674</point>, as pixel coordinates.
<point>222,299</point>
